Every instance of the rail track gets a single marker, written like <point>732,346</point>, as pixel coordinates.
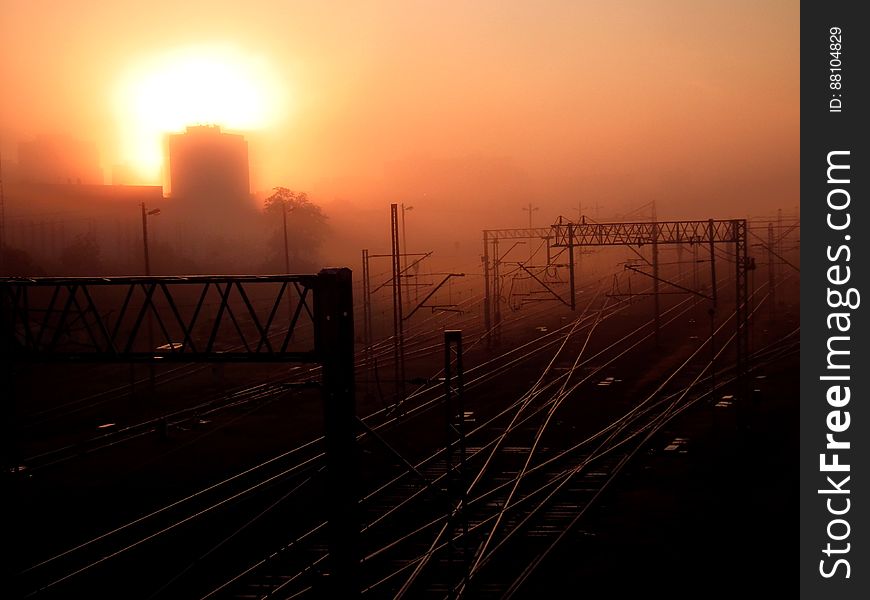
<point>527,481</point>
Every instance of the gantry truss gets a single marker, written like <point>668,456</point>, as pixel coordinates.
<point>641,233</point>
<point>401,269</point>
<point>162,319</point>
<point>240,319</point>
<point>569,235</point>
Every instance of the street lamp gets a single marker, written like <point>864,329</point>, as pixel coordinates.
<point>145,214</point>
<point>150,327</point>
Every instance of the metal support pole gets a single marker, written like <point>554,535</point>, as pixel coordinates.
<point>8,429</point>
<point>713,294</point>
<point>145,240</point>
<point>152,379</point>
<point>712,264</point>
<point>739,309</point>
<point>750,294</point>
<point>580,219</point>
<point>404,261</point>
<point>398,319</point>
<point>655,266</point>
<point>571,265</point>
<point>695,280</point>
<point>531,209</point>
<point>771,274</point>
<point>779,242</point>
<point>405,265</point>
<point>741,285</point>
<point>712,313</point>
<point>3,242</point>
<point>496,287</point>
<point>455,455</point>
<point>333,313</point>
<point>405,258</point>
<point>487,300</point>
<point>367,315</point>
<point>680,260</point>
<point>367,309</point>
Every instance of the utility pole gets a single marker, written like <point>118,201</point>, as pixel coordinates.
<point>779,244</point>
<point>597,208</point>
<point>398,319</point>
<point>405,256</point>
<point>712,311</point>
<point>2,221</point>
<point>711,230</point>
<point>696,285</point>
<point>679,261</point>
<point>771,274</point>
<point>286,243</point>
<point>496,290</point>
<point>367,333</point>
<point>145,214</point>
<point>487,292</point>
<point>655,265</point>
<point>571,283</point>
<point>455,455</point>
<point>333,315</point>
<point>367,317</point>
<point>531,210</point>
<point>579,260</point>
<point>742,271</point>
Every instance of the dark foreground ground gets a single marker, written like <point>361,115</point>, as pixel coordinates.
<point>717,519</point>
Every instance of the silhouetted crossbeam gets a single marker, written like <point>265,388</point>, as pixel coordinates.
<point>639,233</point>
<point>193,319</point>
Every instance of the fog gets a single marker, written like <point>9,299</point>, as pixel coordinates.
<point>467,112</point>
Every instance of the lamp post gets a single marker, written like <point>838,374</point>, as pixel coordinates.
<point>145,214</point>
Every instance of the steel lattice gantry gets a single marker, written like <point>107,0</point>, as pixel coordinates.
<point>492,260</point>
<point>639,233</point>
<point>711,231</point>
<point>239,319</point>
<point>162,319</point>
<point>568,234</point>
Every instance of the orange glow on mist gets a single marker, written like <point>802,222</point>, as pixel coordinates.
<point>192,86</point>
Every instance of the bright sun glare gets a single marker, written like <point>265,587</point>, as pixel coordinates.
<point>191,86</point>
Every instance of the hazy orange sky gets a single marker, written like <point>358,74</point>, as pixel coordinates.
<point>684,101</point>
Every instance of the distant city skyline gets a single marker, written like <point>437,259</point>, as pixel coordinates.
<point>679,101</point>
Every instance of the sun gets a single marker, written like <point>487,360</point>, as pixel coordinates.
<point>195,85</point>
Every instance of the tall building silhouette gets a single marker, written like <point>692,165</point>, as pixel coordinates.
<point>209,198</point>
<point>208,167</point>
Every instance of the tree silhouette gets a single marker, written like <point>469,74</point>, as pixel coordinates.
<point>306,230</point>
<point>15,262</point>
<point>82,256</point>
